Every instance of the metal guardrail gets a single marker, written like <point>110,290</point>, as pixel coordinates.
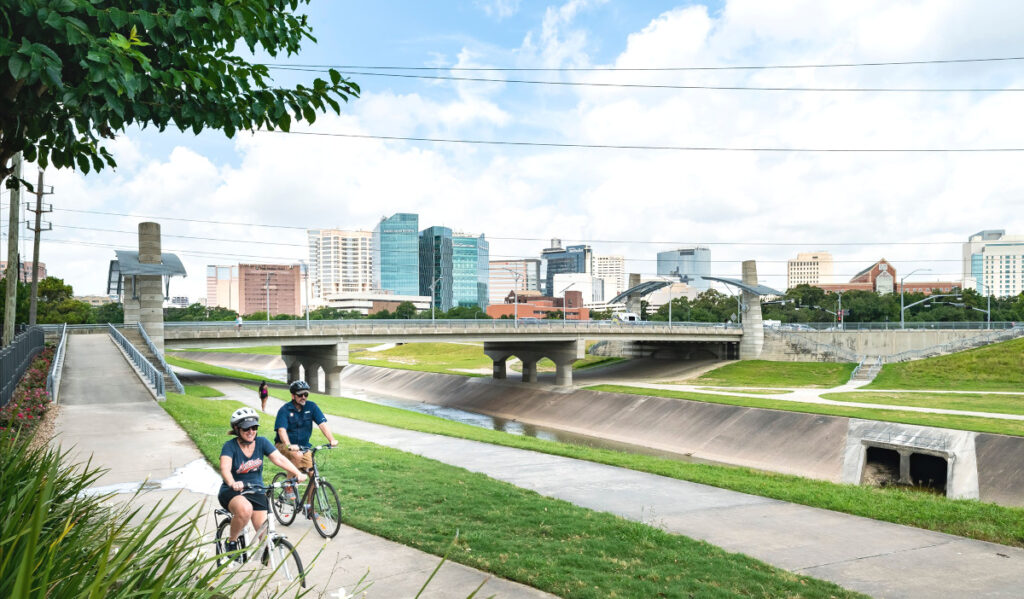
<point>16,358</point>
<point>57,366</point>
<point>371,325</point>
<point>80,328</point>
<point>148,370</point>
<point>895,326</point>
<point>163,363</point>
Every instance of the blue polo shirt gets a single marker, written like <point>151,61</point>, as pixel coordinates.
<point>298,422</point>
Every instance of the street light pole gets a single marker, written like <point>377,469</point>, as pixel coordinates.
<point>267,286</point>
<point>564,301</point>
<point>432,284</point>
<point>305,271</point>
<point>515,295</point>
<point>901,291</point>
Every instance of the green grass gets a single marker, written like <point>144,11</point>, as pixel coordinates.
<point>764,373</point>
<point>202,391</point>
<point>445,358</point>
<point>750,391</point>
<point>973,519</point>
<point>210,369</point>
<point>976,402</point>
<point>996,367</point>
<point>263,350</point>
<point>967,423</point>
<point>514,533</point>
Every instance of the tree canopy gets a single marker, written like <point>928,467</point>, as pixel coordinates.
<point>73,72</point>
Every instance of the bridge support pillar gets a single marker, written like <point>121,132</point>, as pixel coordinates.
<point>501,368</point>
<point>562,353</point>
<point>753,327</point>
<point>332,358</point>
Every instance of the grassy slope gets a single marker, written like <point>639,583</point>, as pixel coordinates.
<point>984,521</point>
<point>446,358</point>
<point>967,423</point>
<point>996,367</point>
<point>762,373</point>
<point>514,533</point>
<point>977,402</point>
<point>263,350</point>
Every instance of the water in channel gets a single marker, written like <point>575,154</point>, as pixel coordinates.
<point>500,424</point>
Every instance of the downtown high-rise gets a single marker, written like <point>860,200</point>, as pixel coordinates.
<point>395,254</point>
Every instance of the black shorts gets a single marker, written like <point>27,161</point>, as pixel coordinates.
<point>258,500</point>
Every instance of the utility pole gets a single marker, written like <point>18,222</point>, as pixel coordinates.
<point>267,286</point>
<point>34,302</point>
<point>13,266</point>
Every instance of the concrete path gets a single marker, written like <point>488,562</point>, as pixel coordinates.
<point>877,558</point>
<point>107,414</point>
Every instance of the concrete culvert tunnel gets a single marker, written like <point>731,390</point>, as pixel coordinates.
<point>929,471</point>
<point>881,467</point>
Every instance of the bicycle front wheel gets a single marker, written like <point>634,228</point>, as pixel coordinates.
<point>284,509</point>
<point>285,562</point>
<point>326,510</point>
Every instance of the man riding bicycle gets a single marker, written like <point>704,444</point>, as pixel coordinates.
<point>241,461</point>
<point>294,426</point>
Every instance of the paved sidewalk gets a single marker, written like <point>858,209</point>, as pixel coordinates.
<point>107,413</point>
<point>877,558</point>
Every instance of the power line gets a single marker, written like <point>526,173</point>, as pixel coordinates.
<point>666,85</point>
<point>660,69</point>
<point>656,148</point>
<point>542,239</point>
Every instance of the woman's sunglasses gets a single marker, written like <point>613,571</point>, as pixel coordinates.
<point>252,428</point>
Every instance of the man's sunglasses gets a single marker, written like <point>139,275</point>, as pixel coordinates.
<point>302,395</point>
<point>252,428</point>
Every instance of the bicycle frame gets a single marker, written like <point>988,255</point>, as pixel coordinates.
<point>265,536</point>
<point>314,476</point>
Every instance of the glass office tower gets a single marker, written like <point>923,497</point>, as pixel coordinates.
<point>470,270</point>
<point>557,260</point>
<point>435,247</point>
<point>396,254</point>
<point>691,263</point>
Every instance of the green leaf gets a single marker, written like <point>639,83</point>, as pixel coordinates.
<point>83,163</point>
<point>335,76</point>
<point>20,68</point>
<point>284,122</point>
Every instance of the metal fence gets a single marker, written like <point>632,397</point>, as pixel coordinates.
<point>957,345</point>
<point>57,366</point>
<point>467,324</point>
<point>148,370</point>
<point>16,358</point>
<point>160,357</point>
<point>895,326</point>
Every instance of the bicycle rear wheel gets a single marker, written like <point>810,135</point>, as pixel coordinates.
<point>285,562</point>
<point>284,509</point>
<point>326,510</point>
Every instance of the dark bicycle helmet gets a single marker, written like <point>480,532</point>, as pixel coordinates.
<point>298,386</point>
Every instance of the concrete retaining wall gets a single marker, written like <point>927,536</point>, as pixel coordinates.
<point>990,467</point>
<point>839,346</point>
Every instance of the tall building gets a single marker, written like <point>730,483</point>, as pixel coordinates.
<point>395,257</point>
<point>993,263</point>
<point>811,268</point>
<point>435,259</point>
<point>470,270</point>
<point>250,288</point>
<point>339,262</point>
<point>591,287</point>
<point>691,263</point>
<point>556,259</point>
<point>612,269</point>
<point>25,271</point>
<point>506,275</point>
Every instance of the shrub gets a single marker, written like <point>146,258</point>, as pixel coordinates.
<point>30,400</point>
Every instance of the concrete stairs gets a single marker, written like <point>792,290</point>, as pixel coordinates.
<point>133,335</point>
<point>867,371</point>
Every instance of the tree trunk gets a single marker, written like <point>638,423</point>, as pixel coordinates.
<point>10,305</point>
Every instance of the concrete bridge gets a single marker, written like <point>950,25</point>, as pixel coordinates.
<point>324,344</point>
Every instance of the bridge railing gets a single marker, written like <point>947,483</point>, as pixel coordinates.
<point>148,370</point>
<point>956,345</point>
<point>457,325</point>
<point>57,365</point>
<point>160,357</point>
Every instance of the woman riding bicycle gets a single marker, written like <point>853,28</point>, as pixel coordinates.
<point>241,461</point>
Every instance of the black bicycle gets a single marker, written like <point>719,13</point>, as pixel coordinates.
<point>319,503</point>
<point>274,550</point>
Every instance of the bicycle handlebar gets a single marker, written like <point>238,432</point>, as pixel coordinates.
<point>249,488</point>
<point>316,447</point>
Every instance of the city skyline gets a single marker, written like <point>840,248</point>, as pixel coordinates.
<point>915,209</point>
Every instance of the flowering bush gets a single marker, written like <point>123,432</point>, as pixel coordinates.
<point>30,400</point>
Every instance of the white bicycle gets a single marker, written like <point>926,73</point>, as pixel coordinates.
<point>273,550</point>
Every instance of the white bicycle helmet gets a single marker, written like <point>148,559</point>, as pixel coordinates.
<point>244,418</point>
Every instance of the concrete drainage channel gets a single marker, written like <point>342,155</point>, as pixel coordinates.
<point>958,464</point>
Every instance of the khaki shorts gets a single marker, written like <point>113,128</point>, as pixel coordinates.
<point>302,461</point>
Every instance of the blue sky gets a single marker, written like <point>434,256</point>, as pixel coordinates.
<point>748,205</point>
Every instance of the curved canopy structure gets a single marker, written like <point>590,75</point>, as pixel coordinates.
<point>756,289</point>
<point>645,288</point>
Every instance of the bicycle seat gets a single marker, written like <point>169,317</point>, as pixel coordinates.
<point>221,512</point>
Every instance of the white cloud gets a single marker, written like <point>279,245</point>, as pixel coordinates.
<point>502,9</point>
<point>799,201</point>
